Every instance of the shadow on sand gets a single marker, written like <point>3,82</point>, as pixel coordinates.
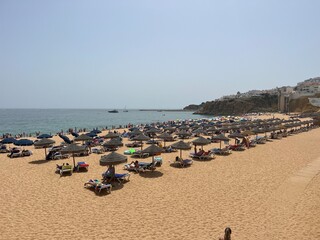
<point>151,174</point>
<point>39,161</point>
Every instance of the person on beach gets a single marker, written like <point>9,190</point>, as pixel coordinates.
<point>110,173</point>
<point>200,152</point>
<point>132,164</point>
<point>136,164</point>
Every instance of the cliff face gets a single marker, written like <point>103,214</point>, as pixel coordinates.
<point>238,106</point>
<point>303,105</point>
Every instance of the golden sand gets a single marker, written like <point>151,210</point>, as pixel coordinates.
<point>267,192</point>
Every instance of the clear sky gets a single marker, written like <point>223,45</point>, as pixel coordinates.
<point>152,54</point>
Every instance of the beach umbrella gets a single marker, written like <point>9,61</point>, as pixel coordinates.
<point>83,137</point>
<point>153,130</point>
<point>23,142</point>
<point>44,135</point>
<point>199,131</point>
<point>181,145</point>
<point>183,133</point>
<point>112,135</point>
<point>236,135</point>
<point>91,134</point>
<point>96,131</point>
<point>8,140</point>
<point>153,150</point>
<point>169,129</point>
<point>220,138</point>
<point>136,131</point>
<point>183,127</point>
<point>74,134</point>
<point>65,138</point>
<point>113,143</point>
<point>258,130</point>
<point>165,136</point>
<point>141,138</point>
<point>113,158</point>
<point>200,141</point>
<point>45,143</point>
<point>73,149</point>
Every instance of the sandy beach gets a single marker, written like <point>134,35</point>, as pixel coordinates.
<point>269,192</point>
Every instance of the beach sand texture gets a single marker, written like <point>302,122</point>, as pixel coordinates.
<point>267,192</point>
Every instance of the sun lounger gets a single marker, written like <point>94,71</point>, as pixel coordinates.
<point>261,140</point>
<point>183,162</point>
<point>58,155</point>
<point>222,151</point>
<point>143,166</point>
<point>15,154</point>
<point>122,177</point>
<point>64,169</point>
<point>237,147</point>
<point>98,186</point>
<point>252,143</point>
<point>97,150</point>
<point>158,161</point>
<point>132,168</point>
<point>3,149</point>
<point>103,186</point>
<point>148,166</point>
<point>203,156</point>
<point>140,155</point>
<point>92,183</point>
<point>82,166</point>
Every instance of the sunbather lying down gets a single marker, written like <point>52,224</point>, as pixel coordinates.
<point>183,162</point>
<point>98,185</point>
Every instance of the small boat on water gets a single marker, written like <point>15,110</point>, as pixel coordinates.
<point>125,109</point>
<point>113,111</point>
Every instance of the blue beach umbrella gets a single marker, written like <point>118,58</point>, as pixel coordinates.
<point>75,134</point>
<point>91,134</point>
<point>65,138</point>
<point>23,142</point>
<point>96,131</point>
<point>44,135</point>
<point>8,140</point>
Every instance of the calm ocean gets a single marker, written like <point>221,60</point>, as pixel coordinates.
<point>16,121</point>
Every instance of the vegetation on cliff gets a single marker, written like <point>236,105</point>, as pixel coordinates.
<point>236,106</point>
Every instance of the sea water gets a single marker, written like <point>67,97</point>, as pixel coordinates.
<point>30,121</point>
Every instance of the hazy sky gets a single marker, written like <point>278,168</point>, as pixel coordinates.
<point>152,54</point>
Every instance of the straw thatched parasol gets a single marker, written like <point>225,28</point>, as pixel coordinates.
<point>114,142</point>
<point>220,138</point>
<point>153,150</point>
<point>45,143</point>
<point>83,137</point>
<point>74,148</point>
<point>200,141</point>
<point>181,145</point>
<point>141,138</point>
<point>165,136</point>
<point>112,158</point>
<point>112,135</point>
